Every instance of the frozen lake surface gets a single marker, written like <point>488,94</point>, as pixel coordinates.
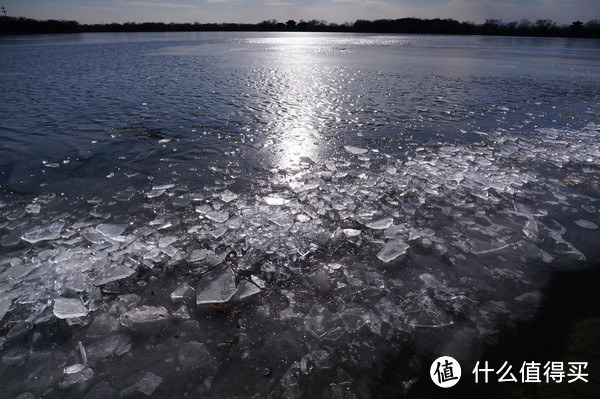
<point>253,214</point>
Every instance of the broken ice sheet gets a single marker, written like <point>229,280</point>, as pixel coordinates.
<point>76,378</point>
<point>147,385</point>
<point>166,241</point>
<point>43,233</point>
<point>380,224</point>
<point>586,224</point>
<point>155,193</point>
<point>275,201</point>
<point>322,323</point>
<point>69,308</point>
<point>197,255</point>
<point>216,286</point>
<point>392,249</point>
<point>217,216</point>
<point>351,232</point>
<point>4,306</point>
<point>75,368</point>
<point>144,314</point>
<point>530,229</point>
<point>33,208</point>
<point>163,186</point>
<point>203,209</point>
<point>184,291</point>
<point>182,313</point>
<point>355,150</point>
<point>113,273</point>
<point>245,289</point>
<point>110,230</point>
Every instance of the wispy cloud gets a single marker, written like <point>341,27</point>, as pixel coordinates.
<point>277,3</point>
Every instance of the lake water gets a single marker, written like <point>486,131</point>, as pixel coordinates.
<point>254,214</point>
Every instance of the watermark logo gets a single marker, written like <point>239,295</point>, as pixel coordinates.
<point>445,372</point>
<point>533,372</point>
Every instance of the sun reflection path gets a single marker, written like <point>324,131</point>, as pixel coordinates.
<point>300,101</point>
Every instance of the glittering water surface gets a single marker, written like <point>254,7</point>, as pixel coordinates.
<point>248,214</point>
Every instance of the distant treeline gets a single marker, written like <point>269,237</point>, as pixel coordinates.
<point>541,27</point>
<point>12,25</point>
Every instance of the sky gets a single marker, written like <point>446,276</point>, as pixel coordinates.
<point>253,11</point>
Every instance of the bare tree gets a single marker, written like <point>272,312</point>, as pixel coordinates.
<point>492,22</point>
<point>593,24</point>
<point>545,24</point>
<point>525,24</point>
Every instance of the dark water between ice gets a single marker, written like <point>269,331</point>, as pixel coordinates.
<point>341,198</point>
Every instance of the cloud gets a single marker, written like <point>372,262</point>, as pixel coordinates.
<point>277,3</point>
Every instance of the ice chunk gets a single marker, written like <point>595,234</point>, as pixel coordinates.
<point>245,289</point>
<point>353,320</point>
<point>166,241</point>
<point>147,385</point>
<point>181,202</point>
<point>75,368</point>
<point>323,324</point>
<point>111,274</point>
<point>217,216</point>
<point>76,378</point>
<point>155,193</point>
<point>302,218</point>
<point>182,313</point>
<point>43,233</point>
<point>184,291</point>
<point>203,209</point>
<point>214,259</point>
<point>392,249</point>
<point>4,306</point>
<point>228,196</point>
<point>351,232</point>
<point>163,186</point>
<point>530,229</point>
<point>218,231</point>
<point>108,345</point>
<point>144,314</point>
<point>275,201</point>
<point>234,223</point>
<point>355,150</point>
<point>216,286</point>
<point>198,255</point>
<point>380,224</point>
<point>33,208</point>
<point>586,224</point>
<point>110,230</point>
<point>69,308</point>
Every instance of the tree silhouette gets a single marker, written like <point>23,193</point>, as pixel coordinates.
<point>492,26</point>
<point>545,24</point>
